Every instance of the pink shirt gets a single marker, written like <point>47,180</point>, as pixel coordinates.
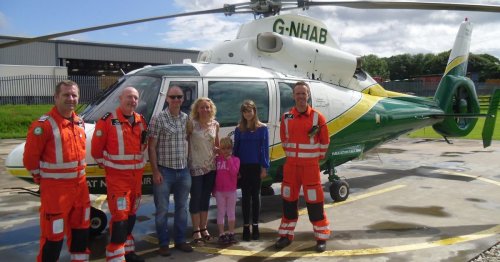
<point>227,173</point>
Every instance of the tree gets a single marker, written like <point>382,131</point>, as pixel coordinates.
<point>375,66</point>
<point>484,65</point>
<point>400,66</point>
<point>406,66</point>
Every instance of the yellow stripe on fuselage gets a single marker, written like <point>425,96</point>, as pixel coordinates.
<point>350,116</point>
<point>454,63</point>
<point>363,106</point>
<point>378,90</point>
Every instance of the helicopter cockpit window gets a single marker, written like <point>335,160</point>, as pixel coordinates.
<point>228,96</point>
<point>189,88</point>
<point>148,88</point>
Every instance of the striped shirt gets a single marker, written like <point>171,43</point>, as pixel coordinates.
<point>172,145</point>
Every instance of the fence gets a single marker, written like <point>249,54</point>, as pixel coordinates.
<point>39,89</point>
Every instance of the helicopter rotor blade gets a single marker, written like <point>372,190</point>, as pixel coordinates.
<point>269,7</point>
<point>402,5</point>
<point>227,10</point>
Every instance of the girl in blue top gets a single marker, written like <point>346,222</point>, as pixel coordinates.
<point>251,146</point>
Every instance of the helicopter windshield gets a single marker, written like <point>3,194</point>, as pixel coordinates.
<point>148,88</point>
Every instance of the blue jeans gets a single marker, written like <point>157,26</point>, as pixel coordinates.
<point>178,182</point>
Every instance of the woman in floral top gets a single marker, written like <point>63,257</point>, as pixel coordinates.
<point>203,132</point>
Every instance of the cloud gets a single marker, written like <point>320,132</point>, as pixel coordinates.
<point>199,32</point>
<point>3,21</point>
<point>358,31</point>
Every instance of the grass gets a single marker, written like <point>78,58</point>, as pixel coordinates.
<point>16,119</point>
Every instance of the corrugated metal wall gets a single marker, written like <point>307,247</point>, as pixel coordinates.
<point>48,53</point>
<point>123,53</point>
<point>40,54</point>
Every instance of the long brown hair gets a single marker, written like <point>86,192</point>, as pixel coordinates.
<point>253,124</point>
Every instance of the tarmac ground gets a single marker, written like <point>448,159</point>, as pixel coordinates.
<point>410,200</point>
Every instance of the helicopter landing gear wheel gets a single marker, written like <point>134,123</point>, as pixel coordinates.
<point>339,190</point>
<point>98,221</point>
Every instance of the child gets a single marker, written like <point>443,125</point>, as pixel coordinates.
<point>225,190</point>
<point>251,146</point>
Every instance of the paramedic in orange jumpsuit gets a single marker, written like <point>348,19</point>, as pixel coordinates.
<point>54,154</point>
<point>118,145</point>
<point>305,140</point>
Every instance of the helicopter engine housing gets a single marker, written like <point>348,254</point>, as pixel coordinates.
<point>287,55</point>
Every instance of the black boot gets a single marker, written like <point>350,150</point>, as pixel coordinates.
<point>246,233</point>
<point>255,232</point>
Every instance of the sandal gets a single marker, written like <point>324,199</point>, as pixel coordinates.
<point>197,241</point>
<point>207,236</point>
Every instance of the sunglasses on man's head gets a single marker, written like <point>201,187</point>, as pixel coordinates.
<point>175,97</point>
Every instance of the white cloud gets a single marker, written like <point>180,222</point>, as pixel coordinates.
<point>200,32</point>
<point>3,21</point>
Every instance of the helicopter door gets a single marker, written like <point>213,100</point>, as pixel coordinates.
<point>228,96</point>
<point>284,104</point>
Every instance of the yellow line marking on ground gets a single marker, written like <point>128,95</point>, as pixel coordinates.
<point>354,252</point>
<point>356,198</point>
<point>454,173</point>
<point>233,251</point>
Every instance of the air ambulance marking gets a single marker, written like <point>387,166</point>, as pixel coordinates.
<point>360,252</point>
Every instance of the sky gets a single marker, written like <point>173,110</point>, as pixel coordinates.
<point>383,33</point>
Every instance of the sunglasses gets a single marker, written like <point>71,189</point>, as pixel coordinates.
<point>176,97</point>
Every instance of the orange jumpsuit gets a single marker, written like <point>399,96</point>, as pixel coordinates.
<point>54,154</point>
<point>119,146</point>
<point>303,152</point>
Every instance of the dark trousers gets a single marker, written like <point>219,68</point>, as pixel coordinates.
<point>250,183</point>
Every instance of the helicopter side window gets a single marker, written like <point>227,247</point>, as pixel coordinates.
<point>286,97</point>
<point>189,88</point>
<point>148,88</point>
<point>228,96</point>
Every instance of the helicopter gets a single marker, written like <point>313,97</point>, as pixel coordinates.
<point>267,57</point>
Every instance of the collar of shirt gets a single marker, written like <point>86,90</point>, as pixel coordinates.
<point>121,117</point>
<point>305,113</point>
<point>62,120</point>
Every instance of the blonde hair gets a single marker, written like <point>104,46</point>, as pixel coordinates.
<point>194,108</point>
<point>226,142</point>
<point>254,123</point>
